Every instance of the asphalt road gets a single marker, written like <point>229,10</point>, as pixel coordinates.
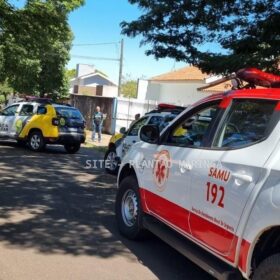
<point>57,222</point>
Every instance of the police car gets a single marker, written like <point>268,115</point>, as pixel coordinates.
<point>120,143</point>
<point>209,184</point>
<point>40,122</point>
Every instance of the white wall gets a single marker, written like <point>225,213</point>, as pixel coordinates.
<point>142,88</point>
<point>184,93</point>
<point>84,69</point>
<point>110,91</point>
<point>127,108</point>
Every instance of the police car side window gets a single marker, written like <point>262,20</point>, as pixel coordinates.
<point>155,120</point>
<point>42,110</point>
<point>246,123</point>
<point>10,111</point>
<point>26,110</point>
<point>133,131</point>
<point>192,131</point>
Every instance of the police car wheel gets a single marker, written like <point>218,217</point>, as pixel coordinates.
<point>128,209</point>
<point>111,162</point>
<point>72,148</point>
<point>36,141</point>
<point>269,269</point>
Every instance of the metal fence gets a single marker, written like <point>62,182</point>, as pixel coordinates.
<point>119,112</point>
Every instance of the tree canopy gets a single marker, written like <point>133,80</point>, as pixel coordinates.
<point>34,45</point>
<point>129,87</point>
<point>218,36</point>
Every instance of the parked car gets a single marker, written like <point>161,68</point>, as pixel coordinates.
<point>209,184</point>
<point>121,142</point>
<point>40,122</point>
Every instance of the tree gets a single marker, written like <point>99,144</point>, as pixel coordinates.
<point>129,88</point>
<point>239,33</point>
<point>34,45</point>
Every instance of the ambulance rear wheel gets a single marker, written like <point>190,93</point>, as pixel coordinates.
<point>269,269</point>
<point>129,213</point>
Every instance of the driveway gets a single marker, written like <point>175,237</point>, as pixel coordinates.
<point>57,222</point>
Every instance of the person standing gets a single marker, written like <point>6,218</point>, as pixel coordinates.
<point>97,122</point>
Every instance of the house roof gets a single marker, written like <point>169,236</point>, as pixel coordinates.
<point>219,88</point>
<point>95,73</point>
<point>188,73</point>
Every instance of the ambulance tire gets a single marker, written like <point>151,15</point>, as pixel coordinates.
<point>269,269</point>
<point>36,141</point>
<point>128,209</point>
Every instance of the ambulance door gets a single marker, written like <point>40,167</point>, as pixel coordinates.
<point>166,183</point>
<point>229,171</point>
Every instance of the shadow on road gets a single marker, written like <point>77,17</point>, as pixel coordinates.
<point>51,202</point>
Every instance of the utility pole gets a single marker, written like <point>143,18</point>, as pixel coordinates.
<point>121,68</point>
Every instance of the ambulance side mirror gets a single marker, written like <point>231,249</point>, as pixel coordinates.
<point>150,134</point>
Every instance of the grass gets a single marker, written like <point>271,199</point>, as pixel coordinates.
<point>102,149</point>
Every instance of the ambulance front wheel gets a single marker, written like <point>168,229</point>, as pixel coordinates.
<point>129,213</point>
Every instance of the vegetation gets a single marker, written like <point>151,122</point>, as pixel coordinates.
<point>129,88</point>
<point>218,36</point>
<point>34,45</point>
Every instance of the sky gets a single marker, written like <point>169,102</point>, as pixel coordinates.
<point>98,21</point>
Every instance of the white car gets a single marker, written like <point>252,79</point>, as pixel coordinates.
<point>117,149</point>
<point>209,184</point>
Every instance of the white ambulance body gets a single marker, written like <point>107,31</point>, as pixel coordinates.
<point>211,179</point>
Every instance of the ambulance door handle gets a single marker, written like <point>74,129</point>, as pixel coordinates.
<point>243,177</point>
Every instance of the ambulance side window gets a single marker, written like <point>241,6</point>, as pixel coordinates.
<point>192,130</point>
<point>247,122</point>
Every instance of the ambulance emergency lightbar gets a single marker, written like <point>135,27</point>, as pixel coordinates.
<point>252,76</point>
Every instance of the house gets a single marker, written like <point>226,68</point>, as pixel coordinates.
<point>89,81</point>
<point>178,87</point>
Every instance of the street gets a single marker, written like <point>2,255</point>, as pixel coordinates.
<point>57,222</point>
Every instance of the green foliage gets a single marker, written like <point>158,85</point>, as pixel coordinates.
<point>34,45</point>
<point>239,33</point>
<point>70,74</point>
<point>5,90</point>
<point>129,88</point>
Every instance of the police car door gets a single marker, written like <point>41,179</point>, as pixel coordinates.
<point>230,169</point>
<point>132,135</point>
<point>26,111</point>
<point>166,170</point>
<point>7,120</point>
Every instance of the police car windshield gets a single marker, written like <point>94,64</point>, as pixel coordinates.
<point>70,113</point>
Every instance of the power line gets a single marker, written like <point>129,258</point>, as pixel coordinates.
<point>95,44</point>
<point>95,58</point>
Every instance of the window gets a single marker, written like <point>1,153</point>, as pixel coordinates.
<point>26,110</point>
<point>42,110</point>
<point>155,120</point>
<point>247,122</point>
<point>71,113</point>
<point>192,131</point>
<point>10,111</point>
<point>134,130</point>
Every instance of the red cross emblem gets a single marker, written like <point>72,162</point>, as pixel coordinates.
<point>161,169</point>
